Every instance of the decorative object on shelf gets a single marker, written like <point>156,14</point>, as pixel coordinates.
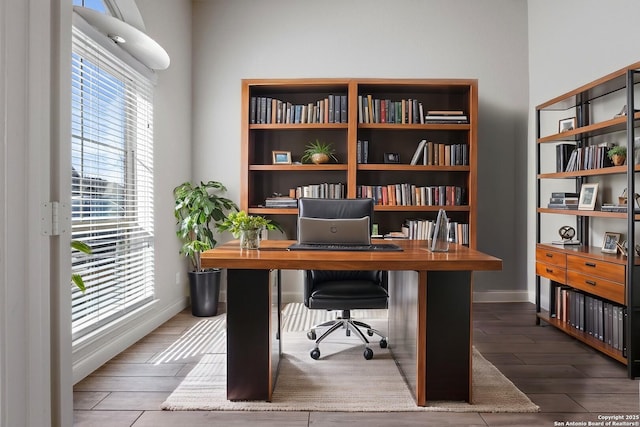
<point>565,125</point>
<point>391,158</point>
<point>622,199</point>
<point>318,152</point>
<point>567,233</point>
<point>196,208</point>
<point>440,239</point>
<point>622,247</point>
<point>281,157</point>
<point>609,242</point>
<point>247,228</point>
<point>617,154</point>
<point>588,196</point>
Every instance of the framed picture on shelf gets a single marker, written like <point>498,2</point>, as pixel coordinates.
<point>610,242</point>
<point>391,158</point>
<point>588,196</point>
<point>565,125</point>
<point>281,157</point>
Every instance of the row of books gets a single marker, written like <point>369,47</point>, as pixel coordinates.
<point>324,191</point>
<point>362,151</point>
<point>441,154</point>
<point>376,110</point>
<point>406,194</point>
<point>267,110</point>
<point>423,229</point>
<point>590,157</point>
<point>599,318</point>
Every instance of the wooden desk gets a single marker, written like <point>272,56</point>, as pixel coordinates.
<point>429,312</point>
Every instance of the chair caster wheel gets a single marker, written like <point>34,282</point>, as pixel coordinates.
<point>383,343</point>
<point>315,354</point>
<point>368,353</point>
<point>311,335</point>
<point>369,332</point>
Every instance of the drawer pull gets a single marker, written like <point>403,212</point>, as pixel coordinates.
<point>549,270</point>
<point>589,264</point>
<point>590,282</point>
<point>549,255</point>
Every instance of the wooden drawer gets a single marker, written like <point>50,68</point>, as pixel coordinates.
<point>552,272</point>
<point>551,257</point>
<point>596,268</point>
<point>597,286</point>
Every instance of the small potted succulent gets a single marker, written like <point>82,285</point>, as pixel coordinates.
<point>318,152</point>
<point>617,154</point>
<point>247,228</point>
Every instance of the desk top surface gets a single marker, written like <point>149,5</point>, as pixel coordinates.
<point>415,256</point>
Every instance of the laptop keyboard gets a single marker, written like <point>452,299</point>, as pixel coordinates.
<point>344,247</point>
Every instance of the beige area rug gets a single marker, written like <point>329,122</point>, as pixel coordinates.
<point>341,380</point>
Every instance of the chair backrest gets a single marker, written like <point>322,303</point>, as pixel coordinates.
<point>336,208</point>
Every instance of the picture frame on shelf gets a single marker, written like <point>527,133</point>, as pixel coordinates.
<point>610,242</point>
<point>391,158</point>
<point>281,157</point>
<point>565,125</point>
<point>588,196</point>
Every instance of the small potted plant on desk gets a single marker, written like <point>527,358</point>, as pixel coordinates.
<point>247,228</point>
<point>618,154</point>
<point>196,208</point>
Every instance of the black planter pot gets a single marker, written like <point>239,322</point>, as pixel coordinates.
<point>205,291</point>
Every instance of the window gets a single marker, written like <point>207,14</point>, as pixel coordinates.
<point>92,4</point>
<point>112,186</point>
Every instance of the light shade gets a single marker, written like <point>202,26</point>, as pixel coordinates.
<point>135,42</point>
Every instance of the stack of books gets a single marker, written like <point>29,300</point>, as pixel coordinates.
<point>446,116</point>
<point>280,202</point>
<point>562,200</point>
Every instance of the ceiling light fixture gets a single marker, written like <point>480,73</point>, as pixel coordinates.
<point>132,40</point>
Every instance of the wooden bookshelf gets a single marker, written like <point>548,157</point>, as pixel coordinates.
<point>261,179</point>
<point>584,269</point>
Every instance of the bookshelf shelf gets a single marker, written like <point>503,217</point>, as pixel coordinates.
<point>260,179</point>
<point>581,279</point>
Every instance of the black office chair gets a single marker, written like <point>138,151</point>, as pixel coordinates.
<point>343,290</point>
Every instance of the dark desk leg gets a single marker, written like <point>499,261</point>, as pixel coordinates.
<point>430,332</point>
<point>250,335</point>
<point>448,335</point>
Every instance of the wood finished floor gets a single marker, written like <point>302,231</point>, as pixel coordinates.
<point>568,380</point>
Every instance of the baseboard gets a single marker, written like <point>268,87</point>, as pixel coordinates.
<point>501,296</point>
<point>91,355</point>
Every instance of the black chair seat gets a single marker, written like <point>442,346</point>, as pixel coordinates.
<point>344,295</point>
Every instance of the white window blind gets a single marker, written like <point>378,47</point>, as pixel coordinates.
<point>112,186</point>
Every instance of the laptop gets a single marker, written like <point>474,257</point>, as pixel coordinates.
<point>340,234</point>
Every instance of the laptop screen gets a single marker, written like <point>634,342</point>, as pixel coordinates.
<point>339,231</point>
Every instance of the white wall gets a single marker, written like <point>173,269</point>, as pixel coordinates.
<point>376,38</point>
<point>571,43</point>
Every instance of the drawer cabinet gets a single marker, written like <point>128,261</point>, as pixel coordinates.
<point>551,264</point>
<point>613,291</point>
<point>592,267</point>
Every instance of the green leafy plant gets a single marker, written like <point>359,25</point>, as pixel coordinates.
<point>84,248</point>
<point>318,147</point>
<point>197,209</point>
<point>618,150</point>
<point>237,222</point>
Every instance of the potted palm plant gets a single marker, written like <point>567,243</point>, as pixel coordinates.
<point>198,208</point>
